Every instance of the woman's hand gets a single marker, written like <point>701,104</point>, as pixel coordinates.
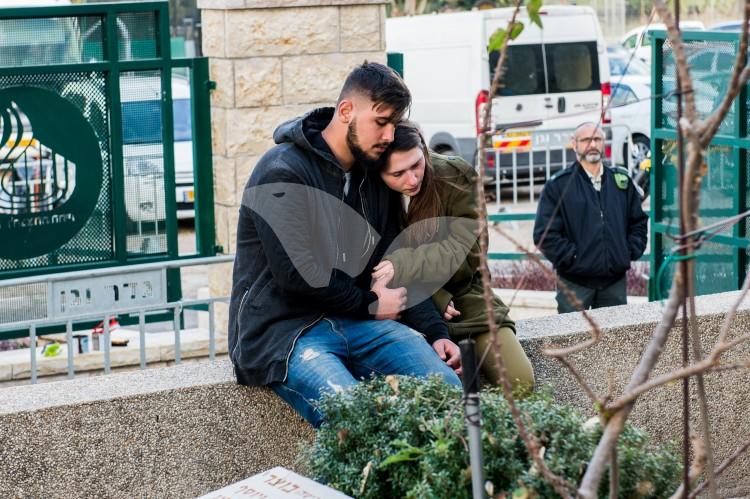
<point>450,312</point>
<point>384,271</point>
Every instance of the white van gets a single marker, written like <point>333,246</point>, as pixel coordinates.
<point>558,75</point>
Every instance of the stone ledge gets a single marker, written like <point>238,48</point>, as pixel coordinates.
<point>185,430</point>
<point>626,330</point>
<point>280,4</point>
<point>181,431</point>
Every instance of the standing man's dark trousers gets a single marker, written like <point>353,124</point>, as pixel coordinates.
<point>614,294</point>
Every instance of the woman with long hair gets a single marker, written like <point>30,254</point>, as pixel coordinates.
<point>440,219</point>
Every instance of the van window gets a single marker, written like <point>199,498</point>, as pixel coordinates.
<point>141,121</point>
<point>572,67</point>
<point>39,41</point>
<point>524,70</point>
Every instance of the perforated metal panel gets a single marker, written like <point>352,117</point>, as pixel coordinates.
<point>137,36</point>
<point>721,263</point>
<point>143,157</point>
<point>95,240</point>
<point>87,156</point>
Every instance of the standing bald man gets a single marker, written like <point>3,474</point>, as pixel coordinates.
<point>590,225</point>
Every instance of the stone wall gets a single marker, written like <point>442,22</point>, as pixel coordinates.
<point>180,431</point>
<point>273,60</point>
<point>185,430</point>
<point>627,330</point>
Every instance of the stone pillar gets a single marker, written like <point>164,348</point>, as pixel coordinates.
<point>273,60</point>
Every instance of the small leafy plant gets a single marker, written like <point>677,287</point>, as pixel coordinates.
<point>404,437</point>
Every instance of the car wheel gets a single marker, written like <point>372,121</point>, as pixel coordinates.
<point>640,151</point>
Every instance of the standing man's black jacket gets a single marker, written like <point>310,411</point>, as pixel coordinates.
<point>272,302</point>
<point>593,236</point>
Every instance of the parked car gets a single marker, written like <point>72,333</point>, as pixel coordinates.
<point>621,63</point>
<point>727,26</point>
<point>637,40</point>
<point>552,82</point>
<point>631,119</point>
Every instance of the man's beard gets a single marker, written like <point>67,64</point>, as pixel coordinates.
<point>593,157</point>
<point>360,156</point>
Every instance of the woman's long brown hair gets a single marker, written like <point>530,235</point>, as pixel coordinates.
<point>426,204</point>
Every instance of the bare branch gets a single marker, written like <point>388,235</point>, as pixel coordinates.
<point>570,295</point>
<point>729,317</point>
<point>699,463</point>
<point>701,386</point>
<point>616,423</point>
<point>678,48</point>
<point>561,486</point>
<point>726,464</point>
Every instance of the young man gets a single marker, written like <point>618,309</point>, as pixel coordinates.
<point>590,225</point>
<point>303,319</point>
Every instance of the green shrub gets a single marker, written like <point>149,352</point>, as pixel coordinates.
<point>404,437</point>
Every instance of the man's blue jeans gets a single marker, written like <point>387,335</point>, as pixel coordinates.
<point>336,353</point>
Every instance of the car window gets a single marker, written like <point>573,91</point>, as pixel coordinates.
<point>724,61</point>
<point>141,121</point>
<point>702,61</point>
<point>616,66</point>
<point>183,125</point>
<point>630,41</point>
<point>39,41</point>
<point>524,70</point>
<point>622,95</point>
<point>572,67</point>
<point>638,67</point>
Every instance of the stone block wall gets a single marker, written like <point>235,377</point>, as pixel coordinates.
<point>273,60</point>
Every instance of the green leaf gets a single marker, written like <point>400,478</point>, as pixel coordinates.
<point>534,6</point>
<point>520,493</point>
<point>497,40</point>
<point>536,19</point>
<point>516,30</point>
<point>407,454</point>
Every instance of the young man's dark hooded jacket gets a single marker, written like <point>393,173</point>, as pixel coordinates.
<point>294,250</point>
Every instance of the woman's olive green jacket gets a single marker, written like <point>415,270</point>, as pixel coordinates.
<point>456,246</point>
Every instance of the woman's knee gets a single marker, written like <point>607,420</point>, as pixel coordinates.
<point>517,365</point>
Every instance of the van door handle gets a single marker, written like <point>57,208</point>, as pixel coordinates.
<point>549,105</point>
<point>561,104</point>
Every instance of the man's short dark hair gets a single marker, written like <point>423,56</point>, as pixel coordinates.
<point>379,83</point>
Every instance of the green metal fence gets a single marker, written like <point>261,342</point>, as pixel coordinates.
<point>721,263</point>
<point>105,140</point>
<point>73,88</point>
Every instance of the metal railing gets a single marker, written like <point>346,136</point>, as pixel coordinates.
<point>553,146</point>
<point>176,308</point>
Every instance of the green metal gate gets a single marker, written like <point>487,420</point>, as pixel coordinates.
<point>721,262</point>
<point>104,140</point>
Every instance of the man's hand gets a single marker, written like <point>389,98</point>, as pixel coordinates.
<point>390,302</point>
<point>450,312</point>
<point>450,353</point>
<point>383,272</point>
